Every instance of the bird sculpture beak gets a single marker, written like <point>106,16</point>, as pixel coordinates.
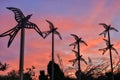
<point>30,15</point>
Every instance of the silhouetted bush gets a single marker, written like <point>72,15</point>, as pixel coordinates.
<point>58,73</point>
<point>42,75</point>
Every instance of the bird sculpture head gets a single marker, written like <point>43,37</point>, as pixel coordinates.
<point>28,16</point>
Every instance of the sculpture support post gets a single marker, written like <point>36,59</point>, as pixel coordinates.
<point>110,56</point>
<point>52,72</point>
<point>21,64</point>
<point>79,70</point>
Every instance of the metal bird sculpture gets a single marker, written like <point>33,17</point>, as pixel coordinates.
<point>108,47</point>
<point>78,57</point>
<point>108,43</point>
<point>107,28</point>
<point>23,22</point>
<point>78,40</point>
<point>52,30</point>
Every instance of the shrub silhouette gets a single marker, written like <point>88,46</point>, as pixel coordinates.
<point>4,66</point>
<point>42,75</point>
<point>59,75</point>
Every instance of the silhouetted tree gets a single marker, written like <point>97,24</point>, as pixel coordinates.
<point>12,75</point>
<point>42,75</point>
<point>29,73</point>
<point>117,76</point>
<point>4,66</point>
<point>58,73</point>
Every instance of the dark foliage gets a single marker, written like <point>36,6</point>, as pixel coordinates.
<point>42,75</point>
<point>3,67</point>
<point>58,73</point>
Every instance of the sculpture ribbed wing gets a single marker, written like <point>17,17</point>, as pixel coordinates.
<point>57,33</point>
<point>31,25</point>
<point>75,36</point>
<point>50,24</point>
<point>18,13</point>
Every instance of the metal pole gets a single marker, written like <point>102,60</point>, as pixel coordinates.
<point>110,56</point>
<point>21,64</point>
<point>52,72</point>
<point>79,70</point>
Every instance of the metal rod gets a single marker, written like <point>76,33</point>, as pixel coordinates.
<point>79,69</point>
<point>21,64</point>
<point>110,56</point>
<point>52,72</point>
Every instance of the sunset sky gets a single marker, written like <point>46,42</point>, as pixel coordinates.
<point>80,17</point>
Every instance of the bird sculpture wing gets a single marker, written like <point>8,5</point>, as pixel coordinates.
<point>12,33</point>
<point>82,59</point>
<point>57,33</point>
<point>50,24</point>
<point>76,53</point>
<point>31,25</point>
<point>12,36</point>
<point>105,31</point>
<point>112,28</point>
<point>46,33</point>
<point>75,36</point>
<point>104,25</point>
<point>104,50</point>
<point>73,44</point>
<point>18,13</point>
<point>73,61</point>
<point>84,42</point>
<point>114,50</point>
<point>107,42</point>
<point>8,33</point>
